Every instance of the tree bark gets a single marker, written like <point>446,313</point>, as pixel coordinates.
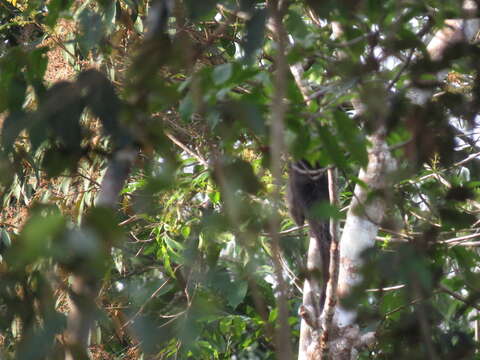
<point>365,215</point>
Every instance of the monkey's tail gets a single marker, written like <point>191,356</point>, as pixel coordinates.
<point>320,230</point>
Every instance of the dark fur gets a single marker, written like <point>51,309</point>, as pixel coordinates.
<point>308,187</point>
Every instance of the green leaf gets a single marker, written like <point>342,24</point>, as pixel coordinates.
<point>172,244</point>
<point>16,93</point>
<point>255,28</point>
<point>104,222</point>
<point>325,210</point>
<point>239,175</point>
<point>5,240</point>
<point>234,290</point>
<point>375,9</point>
<point>404,39</point>
<point>351,136</point>
<point>332,149</point>
<point>37,64</point>
<point>199,9</point>
<point>273,315</point>
<point>164,255</point>
<point>92,29</point>
<point>214,197</point>
<point>237,293</point>
<point>186,107</point>
<point>296,25</point>
<point>109,14</point>
<point>36,67</point>
<point>456,219</point>
<point>55,7</point>
<point>222,73</point>
<point>229,47</point>
<point>247,113</point>
<point>36,237</point>
<point>186,231</point>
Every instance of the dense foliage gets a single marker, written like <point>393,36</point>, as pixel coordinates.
<point>186,261</point>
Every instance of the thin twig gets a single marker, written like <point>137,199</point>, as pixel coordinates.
<point>388,288</point>
<point>155,293</point>
<point>96,183</point>
<point>291,275</point>
<point>278,111</point>
<point>460,239</point>
<point>467,159</point>
<point>129,220</point>
<point>469,244</point>
<point>396,233</point>
<point>389,239</point>
<point>185,148</point>
<point>289,231</point>
<point>463,299</point>
<point>401,307</point>
<point>422,32</point>
<point>334,266</point>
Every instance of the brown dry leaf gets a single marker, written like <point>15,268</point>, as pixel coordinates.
<point>58,67</point>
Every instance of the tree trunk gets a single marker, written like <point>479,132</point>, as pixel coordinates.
<point>362,221</point>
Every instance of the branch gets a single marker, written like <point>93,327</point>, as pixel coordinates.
<point>363,216</point>
<point>185,148</point>
<point>463,299</point>
<point>460,239</point>
<point>278,111</point>
<point>331,291</point>
<point>116,176</point>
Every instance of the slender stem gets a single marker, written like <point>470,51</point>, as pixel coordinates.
<point>278,110</point>
<point>331,291</point>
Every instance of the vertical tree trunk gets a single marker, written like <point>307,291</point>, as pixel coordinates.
<point>363,218</point>
<point>310,309</point>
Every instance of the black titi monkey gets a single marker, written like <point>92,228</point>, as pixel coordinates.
<point>308,187</point>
